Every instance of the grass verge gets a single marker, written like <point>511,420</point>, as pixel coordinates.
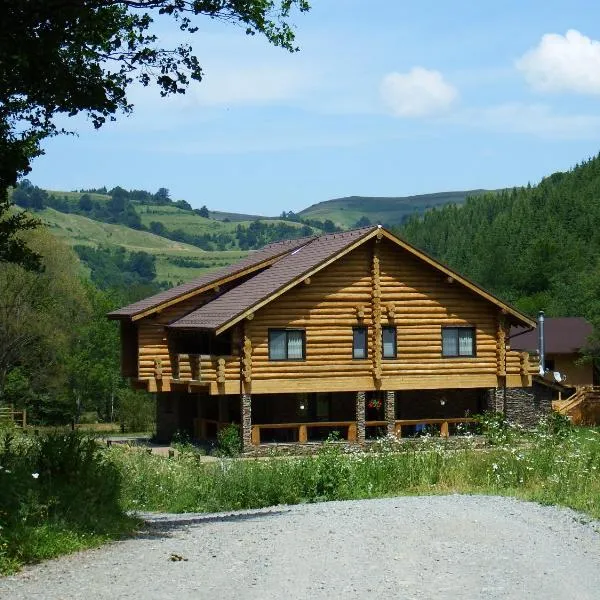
<point>544,466</point>
<point>58,493</point>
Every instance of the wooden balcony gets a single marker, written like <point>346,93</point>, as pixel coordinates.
<point>186,367</point>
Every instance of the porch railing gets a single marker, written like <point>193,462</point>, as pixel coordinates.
<point>351,432</point>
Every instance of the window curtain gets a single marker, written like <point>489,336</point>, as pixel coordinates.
<point>465,342</point>
<point>294,345</point>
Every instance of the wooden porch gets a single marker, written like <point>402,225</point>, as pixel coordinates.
<point>348,429</point>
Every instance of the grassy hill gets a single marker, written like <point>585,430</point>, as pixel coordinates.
<point>174,218</point>
<point>175,261</point>
<point>345,212</point>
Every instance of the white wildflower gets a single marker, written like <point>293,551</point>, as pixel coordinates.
<point>35,475</point>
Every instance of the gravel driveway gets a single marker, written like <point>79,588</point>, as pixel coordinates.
<point>437,547</point>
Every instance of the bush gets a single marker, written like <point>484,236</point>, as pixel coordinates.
<point>229,442</point>
<point>137,410</point>
<point>58,493</point>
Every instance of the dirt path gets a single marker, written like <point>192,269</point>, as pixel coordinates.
<point>441,547</point>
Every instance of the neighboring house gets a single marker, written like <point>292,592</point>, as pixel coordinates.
<point>565,340</point>
<point>357,332</point>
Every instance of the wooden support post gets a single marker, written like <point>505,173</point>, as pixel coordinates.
<point>352,433</point>
<point>398,430</point>
<point>360,416</point>
<point>255,435</point>
<point>501,347</point>
<point>376,309</point>
<point>302,434</point>
<point>444,432</point>
<point>247,360</point>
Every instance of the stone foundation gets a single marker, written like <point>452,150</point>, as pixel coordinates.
<point>524,406</point>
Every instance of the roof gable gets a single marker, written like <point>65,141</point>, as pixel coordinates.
<point>228,309</point>
<point>253,262</point>
<point>234,305</point>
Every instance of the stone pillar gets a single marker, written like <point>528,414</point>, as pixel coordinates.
<point>246,421</point>
<point>360,416</point>
<point>390,411</point>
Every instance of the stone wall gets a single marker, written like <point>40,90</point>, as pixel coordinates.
<point>524,406</point>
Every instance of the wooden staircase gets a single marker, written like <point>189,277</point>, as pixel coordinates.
<point>583,407</point>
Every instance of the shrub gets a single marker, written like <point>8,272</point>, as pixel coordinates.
<point>137,410</point>
<point>229,441</point>
<point>58,493</point>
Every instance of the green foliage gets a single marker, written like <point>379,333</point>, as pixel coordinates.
<point>543,467</point>
<point>95,50</point>
<point>229,441</point>
<point>495,427</point>
<point>58,493</point>
<point>137,410</point>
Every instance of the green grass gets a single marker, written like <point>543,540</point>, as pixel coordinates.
<point>64,492</point>
<point>174,218</point>
<point>79,230</point>
<point>544,468</point>
<point>58,494</point>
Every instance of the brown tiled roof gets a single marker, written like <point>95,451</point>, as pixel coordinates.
<point>254,259</point>
<point>562,335</point>
<point>294,265</point>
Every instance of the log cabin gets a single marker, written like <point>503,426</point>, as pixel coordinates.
<point>355,332</point>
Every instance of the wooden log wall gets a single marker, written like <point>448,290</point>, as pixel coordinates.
<point>379,284</point>
<point>336,300</point>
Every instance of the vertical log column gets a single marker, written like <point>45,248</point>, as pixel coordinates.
<point>246,421</point>
<point>390,411</point>
<point>376,307</point>
<point>360,416</point>
<point>501,347</point>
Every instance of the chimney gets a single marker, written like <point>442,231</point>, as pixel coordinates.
<point>541,343</point>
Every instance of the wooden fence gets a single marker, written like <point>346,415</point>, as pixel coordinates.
<point>8,414</point>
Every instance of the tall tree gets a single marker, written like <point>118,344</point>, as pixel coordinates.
<point>80,56</point>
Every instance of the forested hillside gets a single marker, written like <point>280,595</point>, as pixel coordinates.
<point>538,247</point>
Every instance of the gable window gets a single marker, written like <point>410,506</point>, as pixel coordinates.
<point>287,344</point>
<point>388,341</point>
<point>359,342</point>
<point>458,341</point>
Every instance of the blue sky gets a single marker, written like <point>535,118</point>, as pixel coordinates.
<point>386,98</point>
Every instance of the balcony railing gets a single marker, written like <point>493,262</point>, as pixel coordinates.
<point>186,367</point>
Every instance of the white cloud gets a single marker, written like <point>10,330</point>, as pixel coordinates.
<point>418,93</point>
<point>563,63</point>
